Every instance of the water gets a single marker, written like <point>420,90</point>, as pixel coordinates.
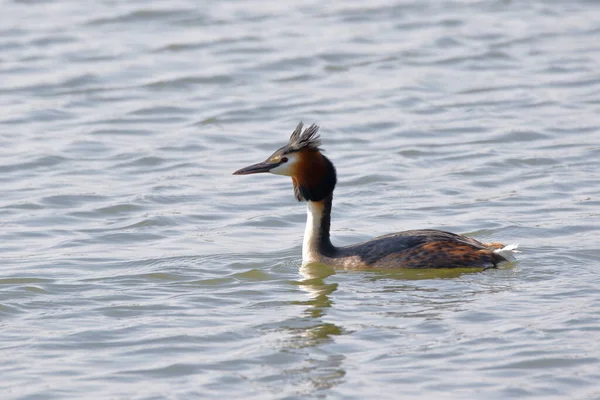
<point>134,266</point>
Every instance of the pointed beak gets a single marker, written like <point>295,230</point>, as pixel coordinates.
<point>256,168</point>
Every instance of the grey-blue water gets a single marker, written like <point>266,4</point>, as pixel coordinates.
<point>134,266</point>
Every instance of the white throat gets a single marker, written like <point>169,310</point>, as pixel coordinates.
<point>314,214</point>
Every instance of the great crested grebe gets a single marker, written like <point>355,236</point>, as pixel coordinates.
<point>314,179</point>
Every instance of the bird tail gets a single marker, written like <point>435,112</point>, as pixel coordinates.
<point>508,252</point>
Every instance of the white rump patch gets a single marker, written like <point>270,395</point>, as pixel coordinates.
<point>508,252</point>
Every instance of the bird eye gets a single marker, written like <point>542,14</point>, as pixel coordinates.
<point>284,159</point>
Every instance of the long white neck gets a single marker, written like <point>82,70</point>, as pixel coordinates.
<point>310,245</point>
<point>317,244</point>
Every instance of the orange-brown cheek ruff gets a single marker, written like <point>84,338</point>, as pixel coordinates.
<point>313,176</point>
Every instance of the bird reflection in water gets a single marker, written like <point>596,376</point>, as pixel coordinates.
<point>314,284</point>
<point>312,334</point>
<point>326,368</point>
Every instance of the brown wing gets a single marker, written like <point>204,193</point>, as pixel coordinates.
<point>426,248</point>
<point>442,254</point>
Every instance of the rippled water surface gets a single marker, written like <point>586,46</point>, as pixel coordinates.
<point>134,266</point>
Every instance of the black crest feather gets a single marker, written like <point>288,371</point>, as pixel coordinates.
<point>307,139</point>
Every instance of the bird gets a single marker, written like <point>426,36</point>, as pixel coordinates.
<point>314,178</point>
